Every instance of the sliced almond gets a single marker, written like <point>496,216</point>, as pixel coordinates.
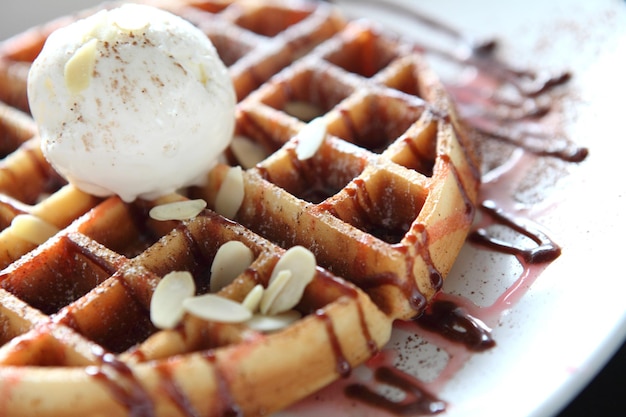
<point>230,195</point>
<point>247,152</point>
<point>266,324</point>
<point>178,210</point>
<point>299,260</point>
<point>275,287</point>
<point>231,260</point>
<point>215,308</point>
<point>301,264</point>
<point>166,305</point>
<point>253,300</point>
<point>310,138</point>
<point>32,228</point>
<point>79,69</point>
<point>131,21</point>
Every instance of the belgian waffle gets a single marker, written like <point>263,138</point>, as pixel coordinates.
<point>385,204</point>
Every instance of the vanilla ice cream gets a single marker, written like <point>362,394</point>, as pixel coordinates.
<point>133,101</point>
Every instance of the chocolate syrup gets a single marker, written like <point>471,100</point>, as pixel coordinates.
<point>349,291</point>
<point>545,251</point>
<point>453,322</point>
<point>418,401</point>
<point>408,287</point>
<point>513,121</point>
<point>342,366</point>
<point>122,384</point>
<point>528,141</point>
<point>422,246</point>
<point>173,391</point>
<point>372,347</point>
<point>228,407</point>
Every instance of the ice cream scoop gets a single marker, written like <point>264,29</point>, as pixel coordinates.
<point>132,101</point>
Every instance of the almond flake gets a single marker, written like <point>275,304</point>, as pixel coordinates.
<point>166,306</point>
<point>247,152</point>
<point>32,228</point>
<point>253,299</point>
<point>231,193</point>
<point>276,285</point>
<point>268,324</point>
<point>131,21</point>
<point>310,138</point>
<point>79,69</point>
<point>178,210</point>
<point>301,264</point>
<point>215,308</point>
<point>231,260</point>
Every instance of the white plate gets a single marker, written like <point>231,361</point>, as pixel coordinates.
<point>553,340</point>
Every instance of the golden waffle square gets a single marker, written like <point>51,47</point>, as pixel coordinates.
<point>384,204</point>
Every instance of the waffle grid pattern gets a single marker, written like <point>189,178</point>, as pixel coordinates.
<point>385,204</point>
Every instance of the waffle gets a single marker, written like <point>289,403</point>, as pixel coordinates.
<point>384,204</point>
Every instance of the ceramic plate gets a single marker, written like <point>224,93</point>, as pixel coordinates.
<point>554,324</point>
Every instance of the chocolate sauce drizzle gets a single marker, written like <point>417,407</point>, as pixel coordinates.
<point>342,367</point>
<point>454,323</point>
<point>481,104</point>
<point>418,401</point>
<point>545,251</point>
<point>531,142</point>
<point>228,406</point>
<point>121,383</point>
<point>173,391</point>
<point>422,246</point>
<point>511,120</point>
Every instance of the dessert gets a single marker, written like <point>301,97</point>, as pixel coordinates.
<point>363,165</point>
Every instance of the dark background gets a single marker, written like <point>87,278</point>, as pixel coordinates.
<point>605,396</point>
